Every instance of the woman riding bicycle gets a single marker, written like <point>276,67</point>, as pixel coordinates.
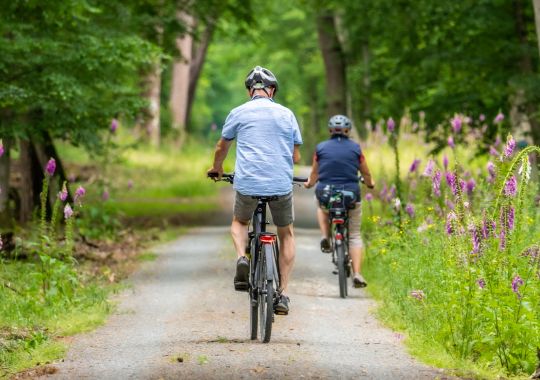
<point>336,164</point>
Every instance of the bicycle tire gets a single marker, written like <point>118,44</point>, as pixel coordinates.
<point>266,297</point>
<point>342,273</point>
<point>253,315</point>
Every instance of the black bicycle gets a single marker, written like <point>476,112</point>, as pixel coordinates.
<point>262,252</point>
<point>338,203</point>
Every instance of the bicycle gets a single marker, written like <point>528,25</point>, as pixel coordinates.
<point>262,252</point>
<point>338,202</point>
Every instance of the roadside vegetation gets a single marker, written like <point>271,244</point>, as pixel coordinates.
<point>59,275</point>
<point>454,250</point>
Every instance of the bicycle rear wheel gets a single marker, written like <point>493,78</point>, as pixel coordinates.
<point>253,296</point>
<point>342,272</point>
<point>253,316</point>
<point>266,295</point>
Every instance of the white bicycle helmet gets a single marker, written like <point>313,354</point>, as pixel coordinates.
<point>260,78</point>
<point>339,123</point>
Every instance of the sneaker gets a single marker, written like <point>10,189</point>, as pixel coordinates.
<point>281,305</point>
<point>241,280</point>
<point>359,281</point>
<point>325,245</point>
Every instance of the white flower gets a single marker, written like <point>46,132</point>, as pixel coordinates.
<point>525,168</point>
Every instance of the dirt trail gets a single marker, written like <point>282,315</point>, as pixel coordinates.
<point>182,319</point>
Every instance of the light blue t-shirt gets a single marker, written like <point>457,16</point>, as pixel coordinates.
<point>265,134</point>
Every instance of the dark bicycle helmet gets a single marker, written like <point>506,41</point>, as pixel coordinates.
<point>338,123</point>
<point>259,78</point>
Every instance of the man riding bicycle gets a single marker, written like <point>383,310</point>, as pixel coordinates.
<point>336,164</point>
<point>268,140</point>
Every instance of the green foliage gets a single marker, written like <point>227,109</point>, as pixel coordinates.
<point>440,57</point>
<point>461,273</point>
<point>67,69</point>
<point>282,39</point>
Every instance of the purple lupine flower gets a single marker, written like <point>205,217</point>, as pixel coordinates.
<point>51,167</point>
<point>456,124</point>
<point>450,219</point>
<point>510,187</point>
<point>436,183</point>
<point>481,283</point>
<point>114,125</point>
<point>80,192</point>
<point>497,141</point>
<point>130,184</point>
<point>485,228</point>
<point>105,195</point>
<point>391,125</point>
<point>449,204</point>
<point>392,192</point>
<point>475,237</point>
<point>428,171</point>
<point>533,253</point>
<point>516,283</point>
<point>462,185</point>
<point>63,194</point>
<point>418,294</point>
<point>491,168</point>
<point>445,162</point>
<point>510,146</point>
<point>384,192</point>
<point>68,211</point>
<point>369,197</point>
<point>2,149</point>
<point>499,118</point>
<point>492,151</point>
<point>482,117</point>
<point>510,217</point>
<point>451,181</point>
<point>414,165</point>
<point>502,239</point>
<point>451,143</point>
<point>410,210</point>
<point>470,185</point>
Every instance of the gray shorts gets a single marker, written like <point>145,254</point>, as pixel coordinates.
<point>281,209</point>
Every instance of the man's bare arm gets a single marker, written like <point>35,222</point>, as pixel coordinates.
<point>222,148</point>
<point>296,154</point>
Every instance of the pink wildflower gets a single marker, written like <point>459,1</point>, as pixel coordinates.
<point>391,125</point>
<point>499,118</point>
<point>51,167</point>
<point>114,125</point>
<point>68,211</point>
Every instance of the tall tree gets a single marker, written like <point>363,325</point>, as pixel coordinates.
<point>68,67</point>
<point>334,63</point>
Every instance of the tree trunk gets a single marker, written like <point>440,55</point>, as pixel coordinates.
<point>526,67</point>
<point>536,5</point>
<point>180,81</point>
<point>29,183</point>
<point>196,65</point>
<point>152,94</point>
<point>334,64</point>
<point>5,214</point>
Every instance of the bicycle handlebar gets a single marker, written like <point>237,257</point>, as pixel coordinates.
<point>229,177</point>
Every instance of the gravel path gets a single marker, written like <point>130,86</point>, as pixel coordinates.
<point>182,319</point>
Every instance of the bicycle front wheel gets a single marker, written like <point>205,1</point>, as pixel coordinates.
<point>342,271</point>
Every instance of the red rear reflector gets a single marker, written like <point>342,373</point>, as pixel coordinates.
<point>338,221</point>
<point>267,239</point>
<point>339,237</point>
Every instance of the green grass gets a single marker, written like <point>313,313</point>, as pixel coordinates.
<point>31,325</point>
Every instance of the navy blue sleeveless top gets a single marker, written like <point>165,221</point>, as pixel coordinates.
<point>339,162</point>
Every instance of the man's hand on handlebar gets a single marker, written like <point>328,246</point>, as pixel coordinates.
<point>215,173</point>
